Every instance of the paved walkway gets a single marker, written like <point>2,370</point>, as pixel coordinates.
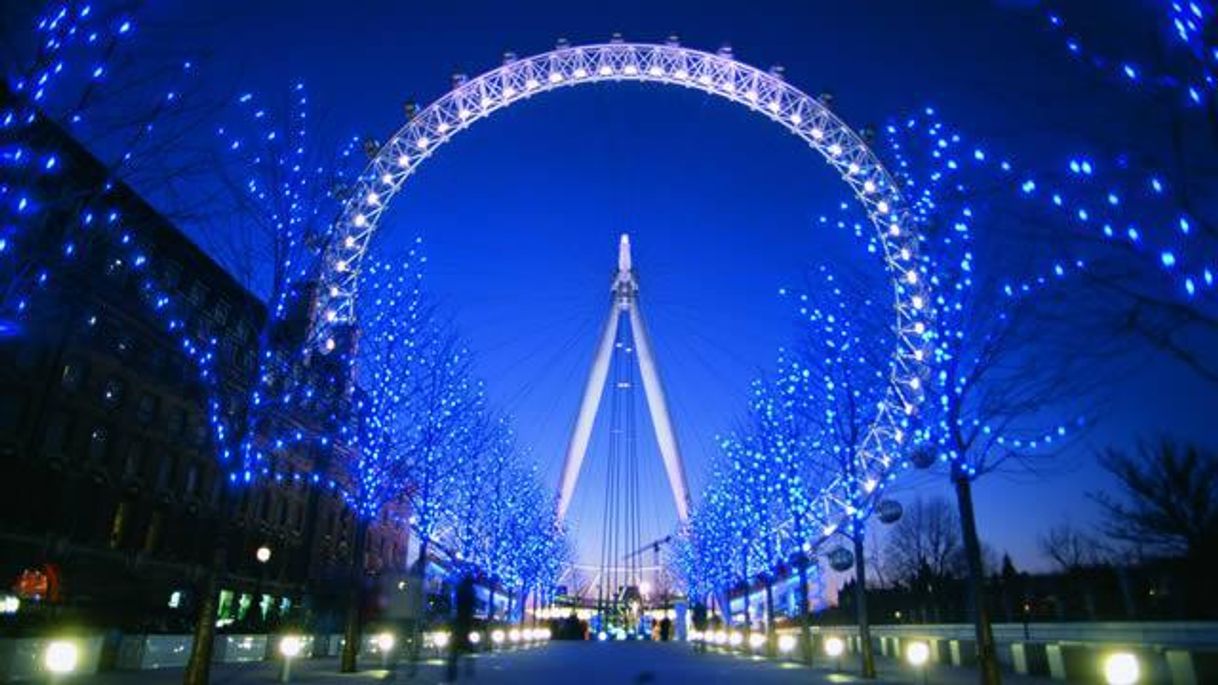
<point>581,663</point>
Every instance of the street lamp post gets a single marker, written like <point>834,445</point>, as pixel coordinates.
<point>262,555</point>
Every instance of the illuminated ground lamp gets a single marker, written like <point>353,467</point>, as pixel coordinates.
<point>440,639</point>
<point>61,658</point>
<point>385,642</point>
<point>475,637</point>
<point>917,654</point>
<point>786,644</point>
<point>290,647</point>
<point>735,639</point>
<point>497,637</point>
<point>756,641</point>
<point>1121,668</point>
<point>834,648</point>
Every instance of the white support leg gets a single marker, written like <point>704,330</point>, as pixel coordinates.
<point>593,391</point>
<point>658,407</point>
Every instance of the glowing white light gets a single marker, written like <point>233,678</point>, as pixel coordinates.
<point>373,199</point>
<point>498,636</point>
<point>580,72</point>
<point>465,113</point>
<point>721,637</point>
<point>1121,668</point>
<point>440,639</point>
<point>869,186</point>
<point>919,328</point>
<point>290,646</point>
<point>882,207</point>
<point>602,636</point>
<point>263,554</point>
<point>387,178</point>
<point>330,344</point>
<point>475,637</point>
<point>735,639</point>
<point>797,119</point>
<point>682,74</point>
<point>695,636</point>
<point>786,643</point>
<point>894,230</point>
<point>817,134</point>
<point>835,150</point>
<point>605,70</point>
<point>751,95</point>
<point>385,641</point>
<point>854,168</point>
<point>514,635</point>
<point>918,654</point>
<point>485,102</point>
<point>630,69</point>
<point>555,77</point>
<point>834,647</point>
<point>704,79</point>
<point>911,277</point>
<point>61,656</point>
<point>422,143</point>
<point>403,161</point>
<point>331,317</point>
<point>443,127</point>
<point>917,302</point>
<point>509,92</point>
<point>756,640</point>
<point>359,220</point>
<point>531,83</point>
<point>773,106</point>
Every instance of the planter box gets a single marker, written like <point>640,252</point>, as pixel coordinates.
<point>148,652</point>
<point>239,648</point>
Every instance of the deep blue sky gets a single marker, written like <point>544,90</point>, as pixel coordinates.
<point>521,213</point>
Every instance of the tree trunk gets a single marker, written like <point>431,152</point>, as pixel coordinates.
<point>987,654</point>
<point>198,666</point>
<point>771,644</point>
<point>416,641</point>
<point>355,599</point>
<point>866,657</point>
<point>805,618</point>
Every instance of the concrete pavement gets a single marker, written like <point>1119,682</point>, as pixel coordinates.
<point>580,663</point>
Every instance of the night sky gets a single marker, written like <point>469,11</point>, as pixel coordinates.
<point>521,214</point>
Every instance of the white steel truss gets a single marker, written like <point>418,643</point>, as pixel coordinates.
<point>625,303</point>
<point>766,93</point>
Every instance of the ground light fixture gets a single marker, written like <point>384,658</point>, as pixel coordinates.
<point>834,648</point>
<point>61,657</point>
<point>290,647</point>
<point>384,643</point>
<point>756,640</point>
<point>735,639</point>
<point>917,654</point>
<point>498,636</point>
<point>263,554</point>
<point>514,635</point>
<point>786,643</point>
<point>475,637</point>
<point>1121,668</point>
<point>602,636</point>
<point>440,639</point>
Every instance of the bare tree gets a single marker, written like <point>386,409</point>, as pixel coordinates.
<point>1167,499</point>
<point>925,542</point>
<point>1070,548</point>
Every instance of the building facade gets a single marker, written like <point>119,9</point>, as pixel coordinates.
<point>111,497</point>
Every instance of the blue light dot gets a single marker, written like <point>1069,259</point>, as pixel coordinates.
<point>1168,259</point>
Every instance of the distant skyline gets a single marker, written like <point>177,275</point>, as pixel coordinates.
<point>520,215</point>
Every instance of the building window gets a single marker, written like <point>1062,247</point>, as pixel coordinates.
<point>176,422</point>
<point>146,412</point>
<point>99,440</point>
<point>198,293</point>
<point>172,274</point>
<point>112,393</point>
<point>133,460</point>
<point>124,346</point>
<point>55,440</point>
<point>164,472</point>
<point>191,485</point>
<point>73,376</point>
<point>221,312</point>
